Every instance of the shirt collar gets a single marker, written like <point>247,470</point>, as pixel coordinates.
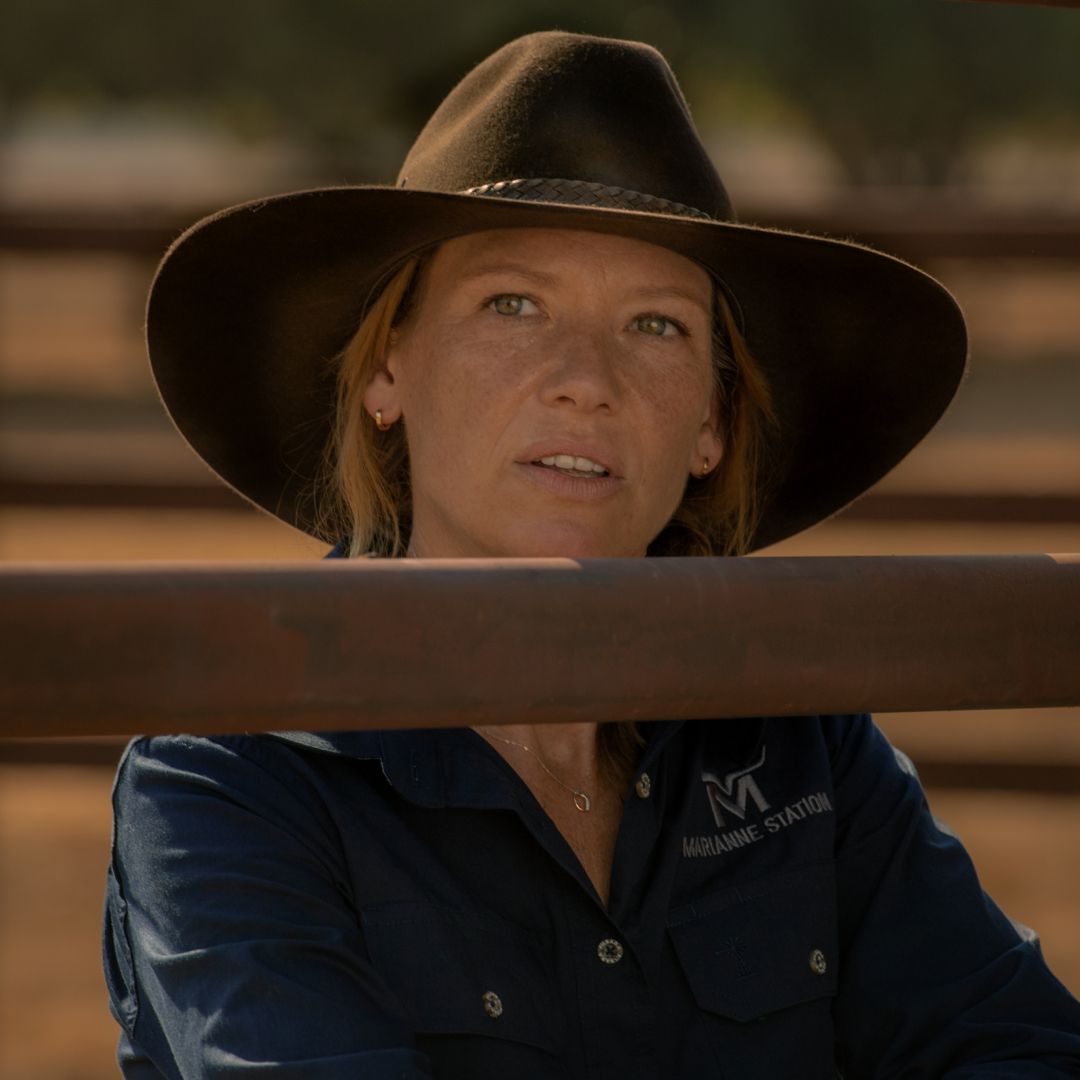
<point>447,766</point>
<point>429,767</point>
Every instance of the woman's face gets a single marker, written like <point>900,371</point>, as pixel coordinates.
<point>556,391</point>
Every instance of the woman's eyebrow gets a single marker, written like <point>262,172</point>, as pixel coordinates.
<point>521,269</point>
<point>646,292</point>
<point>667,292</point>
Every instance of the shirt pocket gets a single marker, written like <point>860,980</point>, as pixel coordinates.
<point>761,962</point>
<point>475,990</point>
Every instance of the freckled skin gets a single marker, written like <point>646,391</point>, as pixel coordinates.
<point>552,339</point>
<point>568,355</point>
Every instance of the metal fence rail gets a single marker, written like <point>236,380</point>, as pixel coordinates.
<point>918,227</point>
<point>400,643</point>
<point>1028,777</point>
<point>211,494</point>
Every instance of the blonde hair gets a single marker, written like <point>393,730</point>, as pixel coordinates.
<point>366,495</point>
<point>719,513</point>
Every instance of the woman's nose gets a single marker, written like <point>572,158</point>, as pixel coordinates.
<point>582,372</point>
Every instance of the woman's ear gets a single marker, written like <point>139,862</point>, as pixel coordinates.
<point>382,396</point>
<point>381,399</point>
<point>709,445</point>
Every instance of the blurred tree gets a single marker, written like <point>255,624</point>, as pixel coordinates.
<point>898,89</point>
<point>901,89</point>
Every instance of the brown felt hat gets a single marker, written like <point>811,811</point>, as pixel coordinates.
<point>249,307</point>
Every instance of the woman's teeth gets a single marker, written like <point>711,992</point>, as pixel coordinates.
<point>575,466</point>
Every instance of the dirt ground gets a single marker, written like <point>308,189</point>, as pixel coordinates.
<point>54,838</point>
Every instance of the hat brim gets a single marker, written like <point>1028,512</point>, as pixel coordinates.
<point>251,306</point>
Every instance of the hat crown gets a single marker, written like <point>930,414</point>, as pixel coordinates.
<point>571,107</point>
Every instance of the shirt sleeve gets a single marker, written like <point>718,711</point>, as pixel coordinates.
<point>231,946</point>
<point>935,980</point>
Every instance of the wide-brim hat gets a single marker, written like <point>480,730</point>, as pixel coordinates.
<point>251,306</point>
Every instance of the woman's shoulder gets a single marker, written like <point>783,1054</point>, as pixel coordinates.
<point>181,780</point>
<point>282,753</point>
<point>214,758</point>
<point>190,808</point>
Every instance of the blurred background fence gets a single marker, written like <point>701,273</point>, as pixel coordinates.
<point>946,133</point>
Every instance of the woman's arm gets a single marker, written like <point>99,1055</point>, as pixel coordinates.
<point>231,944</point>
<point>935,980</point>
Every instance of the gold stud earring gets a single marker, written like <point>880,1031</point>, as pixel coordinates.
<point>378,421</point>
<point>704,469</point>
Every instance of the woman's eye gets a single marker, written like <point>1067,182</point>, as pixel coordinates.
<point>510,304</point>
<point>657,325</point>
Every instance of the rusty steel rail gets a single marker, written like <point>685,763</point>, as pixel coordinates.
<point>403,643</point>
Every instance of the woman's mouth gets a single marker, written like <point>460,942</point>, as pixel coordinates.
<point>573,476</point>
<point>573,465</point>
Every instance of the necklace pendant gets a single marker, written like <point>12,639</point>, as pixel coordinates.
<point>582,802</point>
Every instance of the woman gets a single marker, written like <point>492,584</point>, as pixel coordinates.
<point>564,347</point>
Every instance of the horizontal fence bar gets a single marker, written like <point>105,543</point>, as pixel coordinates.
<point>910,223</point>
<point>93,752</point>
<point>986,507</point>
<point>409,643</point>
<point>120,494</point>
<point>967,774</point>
<point>1046,508</point>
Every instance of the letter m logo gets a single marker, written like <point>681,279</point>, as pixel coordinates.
<point>734,792</point>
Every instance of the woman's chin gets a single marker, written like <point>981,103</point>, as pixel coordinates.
<point>570,542</point>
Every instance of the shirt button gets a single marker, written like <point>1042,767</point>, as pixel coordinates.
<point>643,787</point>
<point>817,962</point>
<point>492,1004</point>
<point>610,951</point>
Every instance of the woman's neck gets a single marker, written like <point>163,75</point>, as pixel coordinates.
<point>560,764</point>
<point>571,751</point>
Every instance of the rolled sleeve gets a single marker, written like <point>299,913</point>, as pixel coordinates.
<point>935,980</point>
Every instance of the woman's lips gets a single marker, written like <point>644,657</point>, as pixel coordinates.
<point>574,465</point>
<point>562,483</point>
<point>569,447</point>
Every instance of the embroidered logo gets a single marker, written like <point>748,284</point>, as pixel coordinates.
<point>735,791</point>
<point>734,795</point>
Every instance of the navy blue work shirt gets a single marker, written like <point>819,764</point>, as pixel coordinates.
<point>380,905</point>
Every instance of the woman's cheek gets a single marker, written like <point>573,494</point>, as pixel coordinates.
<point>673,390</point>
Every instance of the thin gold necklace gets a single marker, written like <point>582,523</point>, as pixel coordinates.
<point>582,801</point>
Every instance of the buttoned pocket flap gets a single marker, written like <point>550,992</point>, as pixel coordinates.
<point>462,974</point>
<point>761,947</point>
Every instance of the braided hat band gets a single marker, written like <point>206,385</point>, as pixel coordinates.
<point>585,193</point>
